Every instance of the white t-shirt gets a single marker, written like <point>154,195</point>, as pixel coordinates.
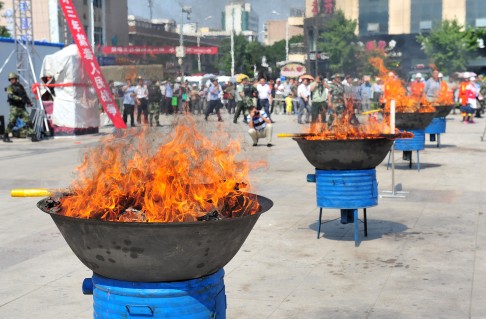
<point>280,90</point>
<point>303,91</point>
<point>263,91</point>
<point>141,91</point>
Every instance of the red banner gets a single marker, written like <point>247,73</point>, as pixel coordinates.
<point>152,50</point>
<point>91,64</point>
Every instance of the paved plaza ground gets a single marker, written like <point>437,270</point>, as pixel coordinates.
<point>424,257</point>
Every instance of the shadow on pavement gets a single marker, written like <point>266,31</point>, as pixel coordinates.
<point>333,229</point>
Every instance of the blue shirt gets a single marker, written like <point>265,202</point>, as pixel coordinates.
<point>127,97</point>
<point>168,90</point>
<point>259,124</point>
<point>214,94</point>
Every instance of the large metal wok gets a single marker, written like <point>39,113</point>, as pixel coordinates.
<point>156,252</point>
<point>350,154</point>
<point>413,121</point>
<point>443,110</point>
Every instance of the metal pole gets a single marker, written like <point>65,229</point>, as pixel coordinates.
<point>198,45</point>
<point>91,24</point>
<point>287,40</point>
<point>232,42</point>
<point>181,43</point>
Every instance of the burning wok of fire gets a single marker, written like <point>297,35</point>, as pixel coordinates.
<point>146,177</point>
<point>154,208</point>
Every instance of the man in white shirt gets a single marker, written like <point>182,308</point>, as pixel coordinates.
<point>141,100</point>
<point>264,97</point>
<point>303,94</point>
<point>279,96</point>
<point>260,126</point>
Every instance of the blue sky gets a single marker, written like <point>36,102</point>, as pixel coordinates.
<point>201,9</point>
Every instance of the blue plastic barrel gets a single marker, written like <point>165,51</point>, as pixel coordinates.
<point>417,143</point>
<point>437,126</point>
<point>200,298</point>
<point>348,189</point>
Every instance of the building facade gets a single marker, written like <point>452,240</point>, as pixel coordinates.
<point>49,24</point>
<point>393,21</point>
<point>239,17</point>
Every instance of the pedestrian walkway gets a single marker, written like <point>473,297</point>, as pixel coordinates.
<point>424,257</point>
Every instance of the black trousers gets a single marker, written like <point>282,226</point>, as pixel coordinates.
<point>142,108</point>
<point>128,109</point>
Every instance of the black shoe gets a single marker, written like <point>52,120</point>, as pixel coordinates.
<point>255,144</point>
<point>158,125</point>
<point>220,120</point>
<point>300,122</point>
<point>269,145</point>
<point>7,139</point>
<point>205,118</point>
<point>272,121</point>
<point>35,139</point>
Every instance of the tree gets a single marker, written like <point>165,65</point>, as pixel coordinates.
<point>240,44</point>
<point>449,46</point>
<point>3,30</point>
<point>339,43</point>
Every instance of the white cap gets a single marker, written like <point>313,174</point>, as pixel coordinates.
<point>441,75</point>
<point>418,75</point>
<point>391,74</point>
<point>472,78</point>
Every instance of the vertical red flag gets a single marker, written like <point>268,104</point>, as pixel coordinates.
<point>91,64</point>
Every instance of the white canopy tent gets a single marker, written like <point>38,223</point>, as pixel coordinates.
<point>75,104</point>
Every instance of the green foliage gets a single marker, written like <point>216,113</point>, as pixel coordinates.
<point>3,30</point>
<point>249,54</point>
<point>339,42</point>
<point>449,46</point>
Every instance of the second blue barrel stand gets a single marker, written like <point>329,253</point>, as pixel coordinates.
<point>407,145</point>
<point>435,128</point>
<point>347,190</point>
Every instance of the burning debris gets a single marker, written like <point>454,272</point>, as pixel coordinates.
<point>141,176</point>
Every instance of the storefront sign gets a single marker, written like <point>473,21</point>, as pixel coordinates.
<point>152,50</point>
<point>293,70</point>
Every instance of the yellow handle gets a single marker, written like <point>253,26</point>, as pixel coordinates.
<point>295,134</point>
<point>371,111</point>
<point>287,135</point>
<point>30,192</point>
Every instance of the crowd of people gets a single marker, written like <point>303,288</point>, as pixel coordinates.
<point>310,100</point>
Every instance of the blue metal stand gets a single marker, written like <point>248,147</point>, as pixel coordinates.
<point>417,143</point>
<point>347,190</point>
<point>435,128</point>
<point>199,298</point>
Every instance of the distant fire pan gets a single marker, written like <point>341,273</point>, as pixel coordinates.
<point>413,121</point>
<point>443,110</point>
<point>349,154</point>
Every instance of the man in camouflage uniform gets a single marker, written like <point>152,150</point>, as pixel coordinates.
<point>17,98</point>
<point>154,99</point>
<point>244,97</point>
<point>336,99</point>
<point>482,94</point>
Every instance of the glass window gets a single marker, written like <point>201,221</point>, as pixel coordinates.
<point>475,13</point>
<point>373,17</point>
<point>425,14</point>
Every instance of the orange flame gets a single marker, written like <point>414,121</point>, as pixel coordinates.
<point>184,178</point>
<point>446,96</point>
<point>394,89</point>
